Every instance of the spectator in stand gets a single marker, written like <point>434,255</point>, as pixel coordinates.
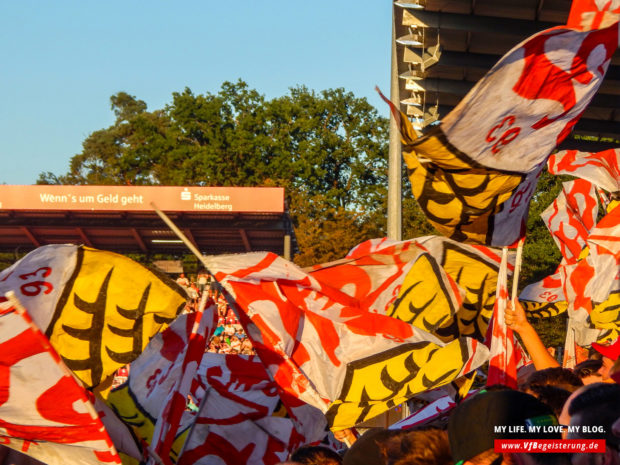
<point>608,355</point>
<point>182,280</point>
<point>192,291</point>
<point>231,318</point>
<point>214,345</point>
<point>235,343</point>
<point>366,450</point>
<point>202,280</point>
<point>553,396</point>
<point>246,347</point>
<point>229,331</point>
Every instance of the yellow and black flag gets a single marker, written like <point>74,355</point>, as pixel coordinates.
<point>98,309</point>
<point>475,173</point>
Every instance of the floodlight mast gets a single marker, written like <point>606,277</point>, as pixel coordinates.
<point>394,213</point>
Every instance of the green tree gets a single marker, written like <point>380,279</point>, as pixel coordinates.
<point>327,149</point>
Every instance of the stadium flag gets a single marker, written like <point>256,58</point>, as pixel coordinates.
<point>98,309</point>
<point>475,173</point>
<point>400,279</point>
<point>571,217</point>
<point>606,234</point>
<point>600,168</point>
<point>474,269</point>
<point>241,414</point>
<point>184,370</point>
<point>154,398</point>
<point>439,408</point>
<point>324,347</point>
<point>44,411</point>
<point>470,269</point>
<point>243,418</point>
<point>502,363</point>
<point>592,14</point>
<point>586,282</point>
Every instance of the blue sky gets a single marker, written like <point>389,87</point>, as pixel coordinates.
<point>62,60</point>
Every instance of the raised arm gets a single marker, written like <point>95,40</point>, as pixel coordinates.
<point>517,321</point>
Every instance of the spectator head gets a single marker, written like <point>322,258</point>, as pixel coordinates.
<point>366,450</point>
<point>590,370</point>
<point>316,455</point>
<point>595,406</point>
<point>555,376</point>
<point>478,421</point>
<point>553,396</point>
<point>429,446</point>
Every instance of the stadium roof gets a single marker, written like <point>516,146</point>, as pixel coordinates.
<point>122,219</point>
<point>473,35</point>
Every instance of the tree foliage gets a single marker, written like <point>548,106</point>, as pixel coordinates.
<point>327,149</point>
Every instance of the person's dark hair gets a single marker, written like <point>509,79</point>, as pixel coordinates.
<point>491,457</point>
<point>316,455</point>
<point>429,446</point>
<point>555,376</point>
<point>553,396</point>
<point>588,367</point>
<point>497,387</point>
<point>598,406</point>
<point>367,449</point>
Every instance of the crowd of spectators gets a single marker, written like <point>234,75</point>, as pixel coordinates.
<point>229,336</point>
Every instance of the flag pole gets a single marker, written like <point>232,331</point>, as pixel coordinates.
<point>182,236</point>
<point>515,275</point>
<point>190,245</point>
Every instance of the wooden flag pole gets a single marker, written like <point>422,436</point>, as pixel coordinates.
<point>181,236</point>
<point>515,275</point>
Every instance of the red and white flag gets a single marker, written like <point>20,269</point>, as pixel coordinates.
<point>243,417</point>
<point>185,367</point>
<point>571,217</point>
<point>592,14</point>
<point>44,412</point>
<point>606,234</point>
<point>501,340</point>
<point>600,168</point>
<point>323,345</point>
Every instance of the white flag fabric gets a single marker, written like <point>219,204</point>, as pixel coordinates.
<point>44,412</point>
<point>326,348</point>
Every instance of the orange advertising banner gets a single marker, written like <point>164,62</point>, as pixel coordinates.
<point>139,198</point>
